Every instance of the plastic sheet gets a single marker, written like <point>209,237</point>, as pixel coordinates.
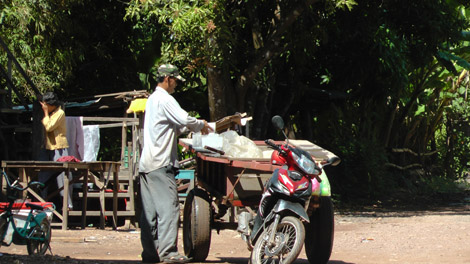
<point>213,140</point>
<point>91,135</point>
<point>237,146</point>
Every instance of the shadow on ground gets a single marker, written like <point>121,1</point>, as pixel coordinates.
<point>407,205</point>
<point>49,259</point>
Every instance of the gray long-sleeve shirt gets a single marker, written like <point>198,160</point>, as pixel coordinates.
<point>164,121</point>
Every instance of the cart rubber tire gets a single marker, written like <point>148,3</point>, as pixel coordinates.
<point>197,225</point>
<point>320,233</point>
<point>43,230</point>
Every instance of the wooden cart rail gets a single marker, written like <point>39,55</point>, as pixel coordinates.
<point>240,181</point>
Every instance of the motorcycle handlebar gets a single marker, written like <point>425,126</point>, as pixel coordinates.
<point>271,143</point>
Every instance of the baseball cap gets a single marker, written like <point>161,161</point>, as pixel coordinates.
<point>169,70</point>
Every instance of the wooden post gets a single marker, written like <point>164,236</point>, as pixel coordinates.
<point>65,206</point>
<point>115,194</point>
<point>102,202</point>
<point>85,197</point>
<point>124,142</point>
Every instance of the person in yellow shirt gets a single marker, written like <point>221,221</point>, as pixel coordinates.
<point>55,142</point>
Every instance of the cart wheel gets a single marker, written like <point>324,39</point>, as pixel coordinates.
<point>197,225</point>
<point>320,232</point>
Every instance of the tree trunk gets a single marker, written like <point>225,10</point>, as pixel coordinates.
<point>449,155</point>
<point>271,50</point>
<point>218,87</point>
<point>261,106</point>
<point>388,130</point>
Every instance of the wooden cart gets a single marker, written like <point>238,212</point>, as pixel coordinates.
<point>224,185</point>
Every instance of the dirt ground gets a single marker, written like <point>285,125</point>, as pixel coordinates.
<point>440,235</point>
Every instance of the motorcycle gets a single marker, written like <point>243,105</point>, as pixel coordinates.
<point>292,208</point>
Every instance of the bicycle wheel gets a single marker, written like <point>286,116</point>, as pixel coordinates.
<point>41,237</point>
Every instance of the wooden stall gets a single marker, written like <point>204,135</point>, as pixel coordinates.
<point>128,169</point>
<point>28,171</point>
<point>111,180</point>
<point>109,113</point>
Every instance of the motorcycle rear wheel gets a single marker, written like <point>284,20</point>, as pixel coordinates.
<point>43,231</point>
<point>289,239</point>
<point>320,233</point>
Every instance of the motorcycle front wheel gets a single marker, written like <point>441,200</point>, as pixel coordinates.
<point>40,238</point>
<point>287,244</point>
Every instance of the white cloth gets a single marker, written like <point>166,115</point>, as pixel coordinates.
<point>164,121</point>
<point>91,135</point>
<point>75,136</point>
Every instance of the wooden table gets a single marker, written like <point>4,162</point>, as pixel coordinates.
<point>28,171</point>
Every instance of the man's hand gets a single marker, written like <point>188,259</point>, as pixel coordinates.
<point>206,129</point>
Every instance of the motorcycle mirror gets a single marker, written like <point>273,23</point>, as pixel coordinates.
<point>334,161</point>
<point>277,122</point>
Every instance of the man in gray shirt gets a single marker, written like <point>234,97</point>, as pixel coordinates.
<point>164,121</point>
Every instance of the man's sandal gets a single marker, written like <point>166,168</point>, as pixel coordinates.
<point>177,258</point>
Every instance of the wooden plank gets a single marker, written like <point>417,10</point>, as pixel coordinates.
<point>85,199</point>
<point>115,125</point>
<point>10,111</point>
<point>31,164</point>
<point>123,93</point>
<point>104,165</point>
<point>124,143</point>
<point>106,213</point>
<point>255,165</point>
<point>316,151</point>
<point>95,180</point>
<point>110,119</point>
<point>115,200</point>
<point>102,203</point>
<point>65,205</point>
<point>219,159</point>
<point>106,194</point>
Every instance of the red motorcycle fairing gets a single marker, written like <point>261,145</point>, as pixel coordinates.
<point>278,188</point>
<point>277,159</point>
<point>293,181</point>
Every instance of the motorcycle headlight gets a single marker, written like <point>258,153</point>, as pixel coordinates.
<point>285,190</point>
<point>305,164</point>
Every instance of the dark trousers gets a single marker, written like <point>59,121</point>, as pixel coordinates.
<point>160,213</point>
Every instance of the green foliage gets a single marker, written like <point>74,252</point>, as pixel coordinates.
<point>349,4</point>
<point>187,28</point>
<point>363,171</point>
<point>453,138</point>
<point>77,48</point>
<point>436,184</point>
<point>30,28</point>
